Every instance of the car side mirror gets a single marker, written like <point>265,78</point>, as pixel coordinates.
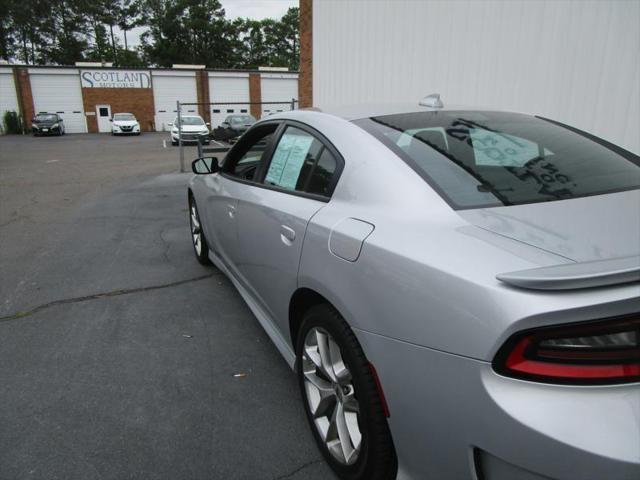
<point>33,119</point>
<point>111,119</point>
<point>205,165</point>
<point>208,124</point>
<point>170,124</point>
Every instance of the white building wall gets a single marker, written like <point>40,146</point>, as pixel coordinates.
<point>57,90</point>
<point>8,97</point>
<point>575,61</point>
<point>228,87</point>
<point>278,87</point>
<point>169,86</point>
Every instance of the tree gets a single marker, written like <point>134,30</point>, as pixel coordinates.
<point>6,31</point>
<point>290,30</point>
<point>67,29</point>
<point>178,31</point>
<point>186,31</point>
<point>29,30</point>
<point>129,17</point>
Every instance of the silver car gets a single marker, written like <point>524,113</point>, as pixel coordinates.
<point>457,290</point>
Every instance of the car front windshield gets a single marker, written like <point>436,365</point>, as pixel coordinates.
<point>124,117</point>
<point>482,159</point>
<point>190,121</point>
<point>46,118</point>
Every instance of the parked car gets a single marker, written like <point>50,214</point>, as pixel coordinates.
<point>193,129</point>
<point>47,124</point>
<point>124,124</point>
<point>237,125</point>
<point>458,290</point>
<point>233,127</point>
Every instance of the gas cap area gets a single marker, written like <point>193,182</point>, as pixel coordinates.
<point>347,236</point>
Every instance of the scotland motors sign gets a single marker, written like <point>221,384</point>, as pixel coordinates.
<point>115,79</point>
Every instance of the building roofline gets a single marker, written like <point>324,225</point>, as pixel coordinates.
<point>75,67</point>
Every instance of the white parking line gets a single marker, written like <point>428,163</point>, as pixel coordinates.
<point>217,143</point>
<point>164,143</point>
<point>51,161</point>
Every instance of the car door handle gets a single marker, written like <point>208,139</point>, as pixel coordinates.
<point>231,210</point>
<point>287,235</point>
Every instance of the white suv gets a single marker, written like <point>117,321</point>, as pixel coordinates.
<point>193,129</point>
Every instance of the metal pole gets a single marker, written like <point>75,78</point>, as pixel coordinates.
<point>293,104</point>
<point>180,137</point>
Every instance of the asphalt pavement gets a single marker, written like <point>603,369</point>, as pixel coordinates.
<point>120,356</point>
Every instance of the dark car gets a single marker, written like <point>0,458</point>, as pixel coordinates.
<point>47,124</point>
<point>234,126</point>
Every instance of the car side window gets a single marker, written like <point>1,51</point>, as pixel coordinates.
<point>300,162</point>
<point>321,177</point>
<point>248,155</point>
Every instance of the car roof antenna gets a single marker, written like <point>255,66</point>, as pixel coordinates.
<point>432,101</point>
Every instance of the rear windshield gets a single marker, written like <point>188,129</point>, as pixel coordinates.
<point>485,159</point>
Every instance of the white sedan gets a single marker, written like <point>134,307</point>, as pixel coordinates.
<point>457,290</point>
<point>125,124</point>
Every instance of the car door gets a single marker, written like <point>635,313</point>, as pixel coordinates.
<point>296,181</point>
<point>224,189</point>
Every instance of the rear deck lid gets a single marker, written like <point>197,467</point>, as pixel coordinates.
<point>600,233</point>
<point>599,227</point>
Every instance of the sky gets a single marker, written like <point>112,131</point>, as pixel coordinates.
<point>255,9</point>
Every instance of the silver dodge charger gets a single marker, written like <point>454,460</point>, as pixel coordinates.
<point>457,290</point>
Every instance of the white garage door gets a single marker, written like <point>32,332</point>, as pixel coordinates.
<point>168,88</point>
<point>227,89</point>
<point>58,91</point>
<point>278,89</point>
<point>8,97</point>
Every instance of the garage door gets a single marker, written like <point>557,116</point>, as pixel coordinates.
<point>227,89</point>
<point>278,89</point>
<point>167,90</point>
<point>58,91</point>
<point>8,98</point>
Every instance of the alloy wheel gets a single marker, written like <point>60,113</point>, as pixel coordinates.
<point>331,396</point>
<point>196,231</point>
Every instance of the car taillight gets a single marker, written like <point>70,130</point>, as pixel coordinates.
<point>591,353</point>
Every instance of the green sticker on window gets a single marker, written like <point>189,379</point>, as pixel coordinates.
<point>288,160</point>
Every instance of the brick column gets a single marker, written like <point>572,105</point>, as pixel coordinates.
<point>202,89</point>
<point>255,94</point>
<point>25,97</point>
<point>305,79</point>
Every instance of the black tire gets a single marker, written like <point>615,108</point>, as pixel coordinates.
<point>175,144</point>
<point>203,255</point>
<point>377,458</point>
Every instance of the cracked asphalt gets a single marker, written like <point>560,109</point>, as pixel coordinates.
<point>117,349</point>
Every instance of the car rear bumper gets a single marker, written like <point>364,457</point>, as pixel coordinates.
<point>454,417</point>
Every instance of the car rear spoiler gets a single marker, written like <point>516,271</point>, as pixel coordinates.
<point>597,273</point>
